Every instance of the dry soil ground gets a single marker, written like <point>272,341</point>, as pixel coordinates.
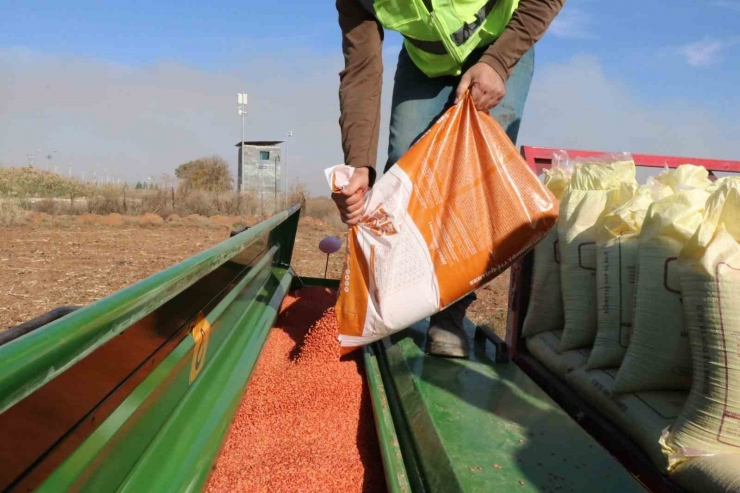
<point>47,264</point>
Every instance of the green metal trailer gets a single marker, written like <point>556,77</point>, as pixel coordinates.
<point>136,392</point>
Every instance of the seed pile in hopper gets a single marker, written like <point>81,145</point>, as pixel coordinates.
<point>306,422</point>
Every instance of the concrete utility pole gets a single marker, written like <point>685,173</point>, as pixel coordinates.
<point>285,166</point>
<point>242,105</point>
<point>277,185</point>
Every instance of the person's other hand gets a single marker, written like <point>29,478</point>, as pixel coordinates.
<point>350,199</point>
<point>487,88</point>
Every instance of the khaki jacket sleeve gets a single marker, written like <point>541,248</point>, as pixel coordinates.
<point>360,83</point>
<point>527,26</point>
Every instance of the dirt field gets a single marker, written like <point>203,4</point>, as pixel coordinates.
<point>48,264</point>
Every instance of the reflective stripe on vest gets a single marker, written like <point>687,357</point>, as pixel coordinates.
<point>432,47</point>
<point>440,34</point>
<point>459,37</point>
<point>463,34</point>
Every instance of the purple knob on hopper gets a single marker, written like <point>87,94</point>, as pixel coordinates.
<point>330,244</point>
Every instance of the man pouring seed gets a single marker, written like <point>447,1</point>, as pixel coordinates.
<point>450,47</point>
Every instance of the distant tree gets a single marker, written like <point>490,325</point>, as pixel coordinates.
<point>208,173</point>
<point>75,188</point>
<point>138,185</point>
<point>167,181</point>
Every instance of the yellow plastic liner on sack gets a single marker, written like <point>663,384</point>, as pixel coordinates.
<point>709,267</point>
<point>545,310</point>
<point>658,356</point>
<point>616,272</point>
<point>685,177</point>
<point>452,214</point>
<point>595,188</point>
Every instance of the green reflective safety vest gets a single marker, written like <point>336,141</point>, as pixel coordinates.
<point>439,35</point>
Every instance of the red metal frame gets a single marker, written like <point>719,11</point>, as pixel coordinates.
<point>540,158</point>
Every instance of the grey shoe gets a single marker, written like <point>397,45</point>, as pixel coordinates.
<point>446,336</point>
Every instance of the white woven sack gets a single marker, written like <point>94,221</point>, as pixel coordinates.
<point>642,416</point>
<point>594,188</point>
<point>543,347</point>
<point>710,281</point>
<point>545,309</point>
<point>658,356</point>
<point>616,272</point>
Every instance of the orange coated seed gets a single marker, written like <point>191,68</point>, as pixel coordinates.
<point>306,420</point>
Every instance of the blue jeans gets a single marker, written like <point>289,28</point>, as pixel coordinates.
<point>419,100</point>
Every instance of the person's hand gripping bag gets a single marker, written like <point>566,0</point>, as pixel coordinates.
<point>454,212</point>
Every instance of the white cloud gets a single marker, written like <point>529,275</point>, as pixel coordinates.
<point>572,23</point>
<point>146,121</point>
<point>728,4</point>
<point>575,105</point>
<point>706,52</point>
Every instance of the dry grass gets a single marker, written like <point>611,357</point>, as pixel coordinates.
<point>43,266</point>
<point>308,261</point>
<point>11,213</point>
<point>323,209</point>
<point>32,182</point>
<point>81,242</point>
<point>56,260</point>
<point>43,191</point>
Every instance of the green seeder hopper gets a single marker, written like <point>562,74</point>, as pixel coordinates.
<point>136,392</point>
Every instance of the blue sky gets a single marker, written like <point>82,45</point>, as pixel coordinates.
<point>637,40</point>
<point>139,32</point>
<point>647,44</point>
<point>669,61</point>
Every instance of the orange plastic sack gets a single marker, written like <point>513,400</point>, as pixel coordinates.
<point>454,212</point>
